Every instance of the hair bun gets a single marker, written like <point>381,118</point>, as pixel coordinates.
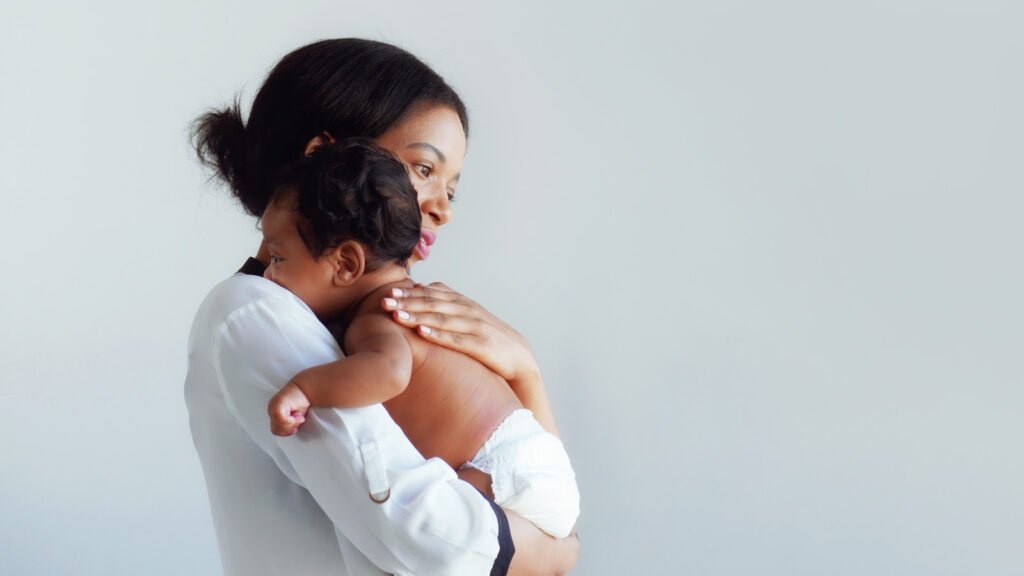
<point>219,141</point>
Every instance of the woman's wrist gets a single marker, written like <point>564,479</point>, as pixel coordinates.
<point>527,372</point>
<point>528,376</point>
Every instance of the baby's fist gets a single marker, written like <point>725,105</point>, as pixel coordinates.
<point>287,410</point>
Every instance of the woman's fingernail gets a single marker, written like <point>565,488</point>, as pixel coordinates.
<point>403,314</point>
<point>426,330</point>
<point>397,292</point>
<point>390,302</point>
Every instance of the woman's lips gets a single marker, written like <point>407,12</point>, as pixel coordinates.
<point>427,239</point>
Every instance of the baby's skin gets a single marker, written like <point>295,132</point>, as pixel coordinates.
<point>446,402</point>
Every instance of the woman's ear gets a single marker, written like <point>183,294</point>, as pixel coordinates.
<point>348,261</point>
<point>317,141</point>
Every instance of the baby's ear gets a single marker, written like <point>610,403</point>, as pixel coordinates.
<point>348,260</point>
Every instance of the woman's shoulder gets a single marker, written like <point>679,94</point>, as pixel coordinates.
<point>243,294</point>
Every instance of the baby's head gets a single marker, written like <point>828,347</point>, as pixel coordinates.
<point>339,219</point>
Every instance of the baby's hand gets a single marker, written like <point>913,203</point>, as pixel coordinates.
<point>287,410</point>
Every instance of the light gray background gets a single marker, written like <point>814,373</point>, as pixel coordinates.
<point>768,255</point>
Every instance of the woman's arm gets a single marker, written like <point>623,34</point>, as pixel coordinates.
<point>534,396</point>
<point>452,320</point>
<point>538,554</point>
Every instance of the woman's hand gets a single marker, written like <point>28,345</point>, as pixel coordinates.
<point>448,318</point>
<point>444,316</point>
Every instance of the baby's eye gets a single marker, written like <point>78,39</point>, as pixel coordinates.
<point>275,259</point>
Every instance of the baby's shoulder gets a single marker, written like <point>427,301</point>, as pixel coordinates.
<point>372,304</point>
<point>370,316</point>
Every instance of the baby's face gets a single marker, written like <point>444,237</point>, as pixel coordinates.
<point>291,264</point>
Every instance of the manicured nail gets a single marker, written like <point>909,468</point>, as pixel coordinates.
<point>403,314</point>
<point>426,330</point>
<point>390,303</point>
<point>397,292</point>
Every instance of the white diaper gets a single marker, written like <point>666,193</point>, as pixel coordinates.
<point>530,473</point>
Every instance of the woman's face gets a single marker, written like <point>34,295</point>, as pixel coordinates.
<point>431,143</point>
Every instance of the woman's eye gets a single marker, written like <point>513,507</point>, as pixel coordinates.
<point>451,196</point>
<point>423,170</point>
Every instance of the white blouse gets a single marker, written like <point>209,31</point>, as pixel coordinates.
<point>305,504</point>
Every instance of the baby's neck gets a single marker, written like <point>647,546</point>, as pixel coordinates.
<point>353,296</point>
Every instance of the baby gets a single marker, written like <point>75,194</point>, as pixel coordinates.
<point>339,231</point>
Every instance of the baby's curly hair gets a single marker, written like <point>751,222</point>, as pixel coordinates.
<point>355,190</point>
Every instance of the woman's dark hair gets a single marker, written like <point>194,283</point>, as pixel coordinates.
<point>347,87</point>
<point>354,190</point>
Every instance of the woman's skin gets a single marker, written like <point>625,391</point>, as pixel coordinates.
<point>431,143</point>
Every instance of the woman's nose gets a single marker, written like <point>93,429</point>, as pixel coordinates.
<point>436,206</point>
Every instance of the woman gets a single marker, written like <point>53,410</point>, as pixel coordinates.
<point>370,501</point>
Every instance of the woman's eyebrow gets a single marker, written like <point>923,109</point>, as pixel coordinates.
<point>440,155</point>
<point>431,148</point>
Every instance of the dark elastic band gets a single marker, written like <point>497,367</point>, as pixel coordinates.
<point>508,549</point>
<point>252,267</point>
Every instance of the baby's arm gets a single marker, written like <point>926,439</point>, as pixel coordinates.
<point>377,369</point>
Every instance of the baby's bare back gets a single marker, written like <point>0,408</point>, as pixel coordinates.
<point>452,404</point>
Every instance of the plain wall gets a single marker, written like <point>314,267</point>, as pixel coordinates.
<point>768,256</point>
